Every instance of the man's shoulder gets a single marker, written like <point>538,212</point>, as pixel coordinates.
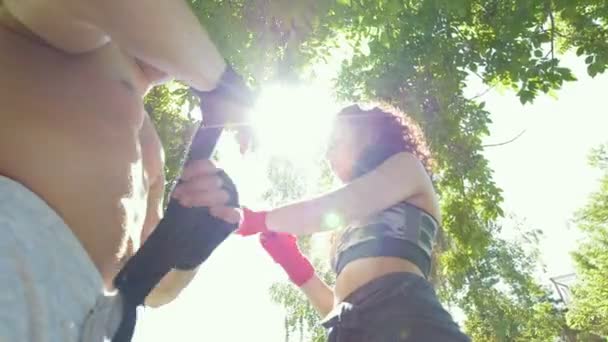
<point>15,283</point>
<point>33,306</point>
<point>44,295</point>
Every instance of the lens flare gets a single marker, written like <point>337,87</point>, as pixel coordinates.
<point>293,121</point>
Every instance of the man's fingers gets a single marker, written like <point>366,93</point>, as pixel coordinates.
<point>228,214</point>
<point>198,184</point>
<point>198,168</point>
<point>201,187</point>
<point>206,199</point>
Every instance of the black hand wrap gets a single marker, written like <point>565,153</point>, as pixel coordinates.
<point>228,102</point>
<point>206,232</point>
<point>185,237</point>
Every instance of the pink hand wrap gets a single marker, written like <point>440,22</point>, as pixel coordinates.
<point>283,249</point>
<point>253,222</point>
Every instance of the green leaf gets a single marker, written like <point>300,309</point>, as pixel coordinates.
<point>580,51</point>
<point>592,70</point>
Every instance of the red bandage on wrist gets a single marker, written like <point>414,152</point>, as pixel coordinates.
<point>253,222</point>
<point>283,249</point>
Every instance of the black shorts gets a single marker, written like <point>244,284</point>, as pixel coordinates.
<point>396,307</point>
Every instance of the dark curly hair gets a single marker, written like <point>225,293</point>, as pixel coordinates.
<point>390,132</point>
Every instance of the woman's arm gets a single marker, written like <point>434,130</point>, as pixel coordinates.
<point>319,295</point>
<point>400,177</point>
<point>283,249</point>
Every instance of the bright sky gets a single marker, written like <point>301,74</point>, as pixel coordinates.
<point>229,301</point>
<point>544,175</point>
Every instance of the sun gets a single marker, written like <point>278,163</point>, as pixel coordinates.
<point>293,122</point>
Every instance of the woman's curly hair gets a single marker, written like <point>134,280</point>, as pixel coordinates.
<point>390,130</point>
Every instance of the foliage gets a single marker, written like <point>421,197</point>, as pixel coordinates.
<point>289,184</point>
<point>166,104</point>
<point>590,296</point>
<point>418,55</point>
<point>503,300</point>
<point>301,317</point>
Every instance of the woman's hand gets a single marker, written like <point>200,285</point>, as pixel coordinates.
<point>253,222</point>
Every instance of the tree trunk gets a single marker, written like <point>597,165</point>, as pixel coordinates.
<point>286,330</point>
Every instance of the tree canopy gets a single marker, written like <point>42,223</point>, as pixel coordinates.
<point>418,56</point>
<point>589,310</point>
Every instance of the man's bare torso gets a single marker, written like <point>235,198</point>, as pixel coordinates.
<point>74,131</point>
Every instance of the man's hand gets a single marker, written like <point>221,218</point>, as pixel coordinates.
<point>202,187</point>
<point>228,104</point>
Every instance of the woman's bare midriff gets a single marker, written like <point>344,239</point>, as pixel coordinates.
<point>70,132</point>
<point>361,271</point>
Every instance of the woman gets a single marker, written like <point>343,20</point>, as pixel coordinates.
<point>383,257</point>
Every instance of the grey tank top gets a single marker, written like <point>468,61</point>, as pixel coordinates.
<point>403,231</point>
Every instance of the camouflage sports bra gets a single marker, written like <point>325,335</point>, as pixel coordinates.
<point>403,231</point>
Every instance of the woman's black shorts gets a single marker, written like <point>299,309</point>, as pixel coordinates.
<point>397,307</point>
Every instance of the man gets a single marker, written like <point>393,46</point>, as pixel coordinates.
<point>81,166</point>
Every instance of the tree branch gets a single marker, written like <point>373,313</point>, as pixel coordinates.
<point>483,93</point>
<point>506,142</point>
<point>552,19</point>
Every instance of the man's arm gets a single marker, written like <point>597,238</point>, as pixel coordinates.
<point>175,281</point>
<point>164,34</point>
